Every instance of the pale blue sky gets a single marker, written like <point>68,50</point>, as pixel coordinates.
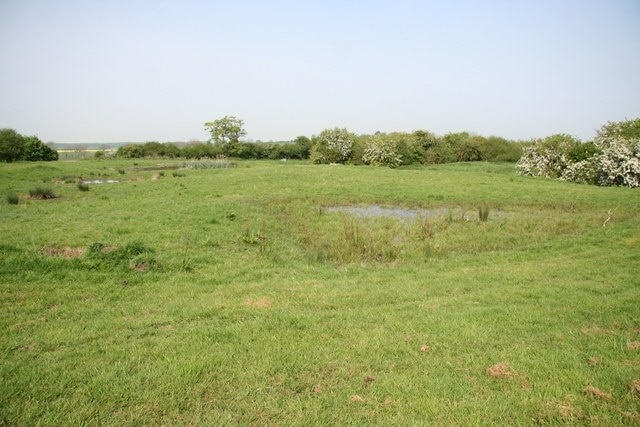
<point>112,71</point>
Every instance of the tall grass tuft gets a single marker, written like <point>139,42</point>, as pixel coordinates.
<point>42,193</point>
<point>13,199</point>
<point>483,213</point>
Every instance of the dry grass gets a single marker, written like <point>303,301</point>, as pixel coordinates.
<point>263,302</point>
<point>596,393</point>
<point>500,370</point>
<point>62,251</point>
<point>633,345</point>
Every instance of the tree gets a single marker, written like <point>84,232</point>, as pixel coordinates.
<point>11,145</point>
<point>226,130</point>
<point>35,150</point>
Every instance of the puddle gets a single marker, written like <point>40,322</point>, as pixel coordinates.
<point>375,211</point>
<point>100,181</point>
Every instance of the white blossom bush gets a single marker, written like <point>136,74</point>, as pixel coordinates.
<point>620,163</point>
<point>586,171</point>
<point>612,159</point>
<point>547,157</point>
<point>333,146</point>
<point>382,150</point>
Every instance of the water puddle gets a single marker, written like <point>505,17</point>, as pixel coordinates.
<point>376,211</point>
<point>100,181</point>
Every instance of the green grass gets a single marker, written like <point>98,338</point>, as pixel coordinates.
<point>231,296</point>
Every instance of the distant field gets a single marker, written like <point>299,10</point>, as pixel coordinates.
<point>260,295</point>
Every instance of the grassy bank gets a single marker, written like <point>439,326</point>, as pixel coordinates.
<point>234,296</point>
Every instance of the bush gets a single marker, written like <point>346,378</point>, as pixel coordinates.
<point>613,158</point>
<point>382,150</point>
<point>333,146</point>
<point>83,187</point>
<point>42,193</point>
<point>547,157</point>
<point>13,199</point>
<point>620,163</point>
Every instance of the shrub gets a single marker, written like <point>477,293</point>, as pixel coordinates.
<point>42,193</point>
<point>382,150</point>
<point>613,158</point>
<point>333,146</point>
<point>547,157</point>
<point>13,199</point>
<point>620,163</point>
<point>83,187</point>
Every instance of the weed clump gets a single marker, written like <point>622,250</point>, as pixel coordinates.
<point>134,255</point>
<point>483,213</point>
<point>13,199</point>
<point>42,193</point>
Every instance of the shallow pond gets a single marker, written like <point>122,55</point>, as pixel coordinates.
<point>100,181</point>
<point>375,211</point>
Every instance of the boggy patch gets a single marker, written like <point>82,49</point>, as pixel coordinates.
<point>62,251</point>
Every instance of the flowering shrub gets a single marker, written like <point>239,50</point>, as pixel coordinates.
<point>382,150</point>
<point>612,159</point>
<point>620,163</point>
<point>333,146</point>
<point>547,157</point>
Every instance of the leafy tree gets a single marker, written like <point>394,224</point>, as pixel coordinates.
<point>228,129</point>
<point>11,145</point>
<point>35,150</point>
<point>130,151</point>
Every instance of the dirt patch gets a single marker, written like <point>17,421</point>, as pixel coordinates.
<point>633,345</point>
<point>596,393</point>
<point>258,303</point>
<point>141,267</point>
<point>500,370</point>
<point>593,361</point>
<point>635,387</point>
<point>425,348</point>
<point>368,379</point>
<point>62,251</point>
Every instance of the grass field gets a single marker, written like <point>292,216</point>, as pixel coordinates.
<point>235,296</point>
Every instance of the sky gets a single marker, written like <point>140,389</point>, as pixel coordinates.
<point>103,71</point>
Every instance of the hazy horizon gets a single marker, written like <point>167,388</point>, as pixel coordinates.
<point>99,72</point>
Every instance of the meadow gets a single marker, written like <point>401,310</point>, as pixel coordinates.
<point>241,295</point>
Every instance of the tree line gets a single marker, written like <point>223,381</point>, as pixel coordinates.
<point>338,145</point>
<point>15,147</point>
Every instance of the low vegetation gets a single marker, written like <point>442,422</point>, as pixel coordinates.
<point>242,295</point>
